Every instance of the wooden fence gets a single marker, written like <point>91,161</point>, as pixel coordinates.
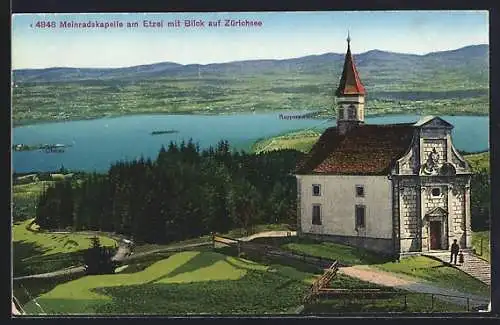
<point>321,283</point>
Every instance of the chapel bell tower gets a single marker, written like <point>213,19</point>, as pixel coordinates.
<point>350,95</point>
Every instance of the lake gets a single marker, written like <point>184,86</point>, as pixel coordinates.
<point>96,144</point>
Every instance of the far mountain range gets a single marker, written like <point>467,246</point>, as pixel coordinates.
<point>465,68</point>
<point>447,82</point>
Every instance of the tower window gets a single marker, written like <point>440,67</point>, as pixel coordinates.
<point>316,190</point>
<point>316,214</point>
<point>351,112</point>
<point>436,191</point>
<point>360,216</point>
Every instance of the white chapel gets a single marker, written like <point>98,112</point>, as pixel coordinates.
<point>393,188</point>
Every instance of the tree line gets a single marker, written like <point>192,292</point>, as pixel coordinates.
<point>480,201</point>
<point>183,193</point>
<point>186,193</point>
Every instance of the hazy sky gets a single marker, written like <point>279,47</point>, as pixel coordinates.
<point>282,35</point>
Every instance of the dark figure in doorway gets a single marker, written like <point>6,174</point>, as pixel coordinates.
<point>454,251</point>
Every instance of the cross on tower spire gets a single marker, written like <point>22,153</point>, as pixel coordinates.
<point>350,84</point>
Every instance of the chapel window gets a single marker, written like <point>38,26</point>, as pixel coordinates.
<point>351,112</point>
<point>360,191</point>
<point>360,216</point>
<point>316,214</point>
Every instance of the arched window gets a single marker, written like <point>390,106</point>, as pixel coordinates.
<point>341,113</point>
<point>351,112</point>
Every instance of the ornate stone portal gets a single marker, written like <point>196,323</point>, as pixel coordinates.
<point>436,228</point>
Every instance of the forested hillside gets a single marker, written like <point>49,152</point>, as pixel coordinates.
<point>184,193</point>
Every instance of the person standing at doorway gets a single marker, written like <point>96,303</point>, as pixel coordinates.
<point>454,251</point>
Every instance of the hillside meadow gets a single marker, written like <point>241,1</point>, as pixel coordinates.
<point>35,251</point>
<point>187,282</point>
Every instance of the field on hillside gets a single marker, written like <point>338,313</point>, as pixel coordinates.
<point>187,282</point>
<point>298,140</point>
<point>207,282</point>
<point>39,252</point>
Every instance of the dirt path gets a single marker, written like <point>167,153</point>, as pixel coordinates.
<point>162,250</point>
<point>274,233</point>
<point>376,276</point>
<point>66,271</point>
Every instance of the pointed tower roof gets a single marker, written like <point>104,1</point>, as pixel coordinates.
<point>350,84</point>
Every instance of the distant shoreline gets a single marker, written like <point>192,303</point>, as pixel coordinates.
<point>22,123</point>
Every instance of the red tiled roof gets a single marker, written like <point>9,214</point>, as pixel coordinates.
<point>350,84</point>
<point>363,150</point>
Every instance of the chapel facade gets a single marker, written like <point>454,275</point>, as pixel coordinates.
<point>390,188</point>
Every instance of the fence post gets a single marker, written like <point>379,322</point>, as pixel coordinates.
<point>468,304</point>
<point>481,254</point>
<point>432,301</point>
<point>406,303</point>
<point>212,235</point>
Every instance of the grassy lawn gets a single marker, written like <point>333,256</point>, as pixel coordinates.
<point>437,273</point>
<point>476,244</point>
<point>39,252</point>
<point>299,140</point>
<point>419,267</point>
<point>415,302</point>
<point>186,282</point>
<point>346,255</point>
<point>196,282</point>
<point>27,289</point>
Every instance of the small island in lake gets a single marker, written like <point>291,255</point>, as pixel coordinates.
<point>45,147</point>
<point>164,132</point>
